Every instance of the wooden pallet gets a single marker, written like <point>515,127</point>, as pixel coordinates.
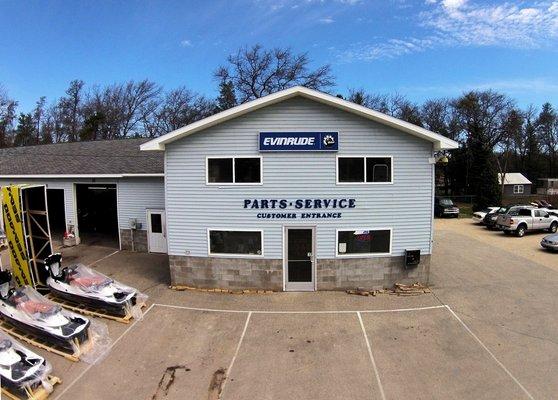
<point>38,394</point>
<point>38,342</point>
<point>83,309</point>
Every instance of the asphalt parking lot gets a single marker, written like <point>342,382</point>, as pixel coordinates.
<point>488,331</point>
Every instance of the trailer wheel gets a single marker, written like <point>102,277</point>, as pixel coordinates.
<point>553,227</point>
<point>520,232</point>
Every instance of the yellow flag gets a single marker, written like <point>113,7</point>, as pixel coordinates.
<point>13,224</point>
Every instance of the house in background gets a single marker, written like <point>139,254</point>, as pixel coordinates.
<point>515,184</point>
<point>549,186</point>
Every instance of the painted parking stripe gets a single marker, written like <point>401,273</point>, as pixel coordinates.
<point>490,353</point>
<point>103,258</point>
<point>299,312</point>
<point>228,372</point>
<point>108,350</point>
<point>374,366</point>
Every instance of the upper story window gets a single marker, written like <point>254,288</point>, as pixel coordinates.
<point>364,169</point>
<point>234,170</point>
<point>518,189</point>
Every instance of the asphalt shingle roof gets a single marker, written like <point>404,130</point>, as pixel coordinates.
<point>82,158</point>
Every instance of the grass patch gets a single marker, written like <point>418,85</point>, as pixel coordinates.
<point>465,210</point>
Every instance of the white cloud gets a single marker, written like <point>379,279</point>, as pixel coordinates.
<point>534,85</point>
<point>186,43</point>
<point>458,23</point>
<point>453,4</point>
<point>326,20</point>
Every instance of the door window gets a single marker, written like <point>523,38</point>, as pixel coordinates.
<point>156,223</point>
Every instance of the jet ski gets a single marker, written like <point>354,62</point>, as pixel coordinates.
<point>82,285</point>
<point>21,370</point>
<point>28,310</point>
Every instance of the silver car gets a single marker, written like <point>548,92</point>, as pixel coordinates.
<point>550,242</point>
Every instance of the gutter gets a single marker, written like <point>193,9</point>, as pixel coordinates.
<point>60,176</point>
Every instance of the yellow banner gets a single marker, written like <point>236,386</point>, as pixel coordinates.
<point>13,224</point>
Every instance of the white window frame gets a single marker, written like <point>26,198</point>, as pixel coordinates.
<point>520,189</point>
<point>365,174</point>
<point>225,255</point>
<point>233,183</point>
<point>363,255</point>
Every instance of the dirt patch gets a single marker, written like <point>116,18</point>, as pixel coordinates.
<point>167,381</point>
<point>216,384</point>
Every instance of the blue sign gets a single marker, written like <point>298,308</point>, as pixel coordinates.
<point>299,141</point>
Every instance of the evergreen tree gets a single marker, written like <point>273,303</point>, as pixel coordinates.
<point>227,97</point>
<point>483,176</point>
<point>25,131</point>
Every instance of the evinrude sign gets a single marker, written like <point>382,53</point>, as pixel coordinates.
<point>299,141</point>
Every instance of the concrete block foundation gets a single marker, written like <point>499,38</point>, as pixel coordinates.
<point>267,274</point>
<point>140,240</point>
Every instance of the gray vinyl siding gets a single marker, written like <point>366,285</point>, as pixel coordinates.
<point>135,196</point>
<point>193,206</point>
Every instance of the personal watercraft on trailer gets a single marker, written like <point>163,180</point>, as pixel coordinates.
<point>28,310</point>
<point>21,370</point>
<point>82,285</point>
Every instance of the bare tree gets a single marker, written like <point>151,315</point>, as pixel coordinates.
<point>8,108</point>
<point>38,114</point>
<point>179,107</point>
<point>481,114</point>
<point>69,111</point>
<point>256,72</point>
<point>396,105</point>
<point>439,116</point>
<point>120,109</point>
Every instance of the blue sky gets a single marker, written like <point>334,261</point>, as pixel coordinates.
<point>421,48</point>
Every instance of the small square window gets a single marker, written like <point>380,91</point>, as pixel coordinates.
<point>220,170</point>
<point>378,169</point>
<point>247,170</point>
<point>351,169</point>
<point>518,189</point>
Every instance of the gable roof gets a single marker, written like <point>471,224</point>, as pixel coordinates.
<point>439,141</point>
<point>513,178</point>
<point>103,158</point>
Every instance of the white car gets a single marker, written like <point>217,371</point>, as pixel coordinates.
<point>478,216</point>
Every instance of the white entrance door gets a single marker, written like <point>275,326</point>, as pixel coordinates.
<point>299,261</point>
<point>156,231</point>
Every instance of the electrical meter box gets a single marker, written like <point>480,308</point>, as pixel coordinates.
<point>412,258</point>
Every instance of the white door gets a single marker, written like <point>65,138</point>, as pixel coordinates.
<point>156,231</point>
<point>299,259</point>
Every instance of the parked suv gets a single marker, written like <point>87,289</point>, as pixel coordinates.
<point>444,207</point>
<point>527,219</point>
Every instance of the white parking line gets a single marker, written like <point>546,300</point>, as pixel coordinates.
<point>103,258</point>
<point>228,372</point>
<point>298,312</point>
<point>109,349</point>
<point>491,354</point>
<point>376,373</point>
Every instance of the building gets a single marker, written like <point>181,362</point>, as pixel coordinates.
<point>95,189</point>
<point>515,184</point>
<point>298,190</point>
<point>549,187</point>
